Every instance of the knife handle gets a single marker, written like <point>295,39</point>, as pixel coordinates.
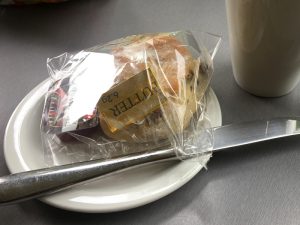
<point>36,183</point>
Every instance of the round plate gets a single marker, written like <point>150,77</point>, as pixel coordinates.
<point>128,189</point>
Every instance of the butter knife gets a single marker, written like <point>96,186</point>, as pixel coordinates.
<point>36,183</point>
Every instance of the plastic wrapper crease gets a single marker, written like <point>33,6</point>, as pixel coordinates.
<point>135,94</point>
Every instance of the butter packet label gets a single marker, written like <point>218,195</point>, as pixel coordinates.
<point>131,101</point>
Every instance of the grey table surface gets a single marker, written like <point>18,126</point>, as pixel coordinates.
<point>257,184</point>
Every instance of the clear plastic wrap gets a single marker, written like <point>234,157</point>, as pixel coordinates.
<point>139,93</point>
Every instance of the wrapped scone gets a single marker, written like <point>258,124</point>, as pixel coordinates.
<point>166,69</point>
<point>138,89</point>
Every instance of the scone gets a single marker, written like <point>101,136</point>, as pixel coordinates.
<point>176,81</point>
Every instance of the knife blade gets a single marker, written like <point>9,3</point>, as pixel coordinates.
<point>254,131</point>
<point>36,183</point>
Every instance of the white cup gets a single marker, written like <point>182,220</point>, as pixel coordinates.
<point>265,45</point>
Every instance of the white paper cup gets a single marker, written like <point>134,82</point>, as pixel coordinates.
<point>265,45</point>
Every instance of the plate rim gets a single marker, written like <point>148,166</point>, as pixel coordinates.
<point>94,209</point>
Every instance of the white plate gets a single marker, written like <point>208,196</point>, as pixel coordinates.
<point>125,190</point>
